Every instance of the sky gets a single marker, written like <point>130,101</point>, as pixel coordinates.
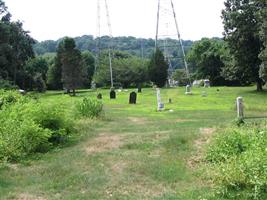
<point>53,19</point>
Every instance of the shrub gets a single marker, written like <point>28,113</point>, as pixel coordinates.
<point>54,118</point>
<point>240,162</point>
<point>89,108</point>
<point>20,135</point>
<point>5,84</point>
<point>10,97</point>
<point>29,126</point>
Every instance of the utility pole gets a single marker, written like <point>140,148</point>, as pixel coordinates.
<point>165,12</point>
<point>98,43</point>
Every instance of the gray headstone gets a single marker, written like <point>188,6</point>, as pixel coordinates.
<point>132,98</point>
<point>160,104</point>
<point>240,107</point>
<point>188,90</point>
<point>206,83</point>
<point>204,94</point>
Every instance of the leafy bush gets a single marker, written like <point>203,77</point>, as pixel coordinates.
<point>4,84</point>
<point>20,135</point>
<point>10,97</point>
<point>240,162</point>
<point>54,118</point>
<point>89,108</point>
<point>29,126</point>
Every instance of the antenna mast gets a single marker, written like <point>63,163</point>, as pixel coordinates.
<point>165,12</point>
<point>98,43</point>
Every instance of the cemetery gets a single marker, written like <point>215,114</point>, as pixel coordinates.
<point>98,116</point>
<point>159,139</point>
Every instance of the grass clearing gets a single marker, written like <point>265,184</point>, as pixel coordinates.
<point>133,152</point>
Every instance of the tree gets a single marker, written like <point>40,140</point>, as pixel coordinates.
<point>263,36</point>
<point>158,69</point>
<point>128,70</point>
<point>72,67</point>
<point>35,69</point>
<point>241,31</point>
<point>15,48</point>
<point>205,56</point>
<point>180,76</point>
<point>89,65</point>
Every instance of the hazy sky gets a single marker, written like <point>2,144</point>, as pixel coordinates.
<point>52,19</point>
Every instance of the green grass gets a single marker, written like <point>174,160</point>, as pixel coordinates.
<point>133,152</point>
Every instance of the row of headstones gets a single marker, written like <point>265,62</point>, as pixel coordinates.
<point>239,105</point>
<point>112,95</point>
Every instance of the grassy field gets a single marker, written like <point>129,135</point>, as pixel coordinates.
<point>133,151</point>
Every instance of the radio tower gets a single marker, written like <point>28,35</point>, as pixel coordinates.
<point>167,28</point>
<point>103,4</point>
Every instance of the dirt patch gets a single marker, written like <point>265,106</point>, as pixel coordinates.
<point>119,167</point>
<point>144,190</point>
<point>183,120</point>
<point>25,196</point>
<point>138,120</point>
<point>104,142</point>
<point>204,139</point>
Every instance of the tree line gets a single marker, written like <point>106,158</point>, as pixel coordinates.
<point>237,59</point>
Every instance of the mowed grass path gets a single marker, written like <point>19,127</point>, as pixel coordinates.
<point>134,152</point>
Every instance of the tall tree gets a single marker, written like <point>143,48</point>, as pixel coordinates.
<point>72,66</point>
<point>263,36</point>
<point>15,48</point>
<point>241,31</point>
<point>89,67</point>
<point>158,69</point>
<point>205,55</point>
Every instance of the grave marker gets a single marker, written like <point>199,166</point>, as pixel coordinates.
<point>188,90</point>
<point>160,104</point>
<point>99,96</point>
<point>132,98</point>
<point>112,94</point>
<point>240,107</point>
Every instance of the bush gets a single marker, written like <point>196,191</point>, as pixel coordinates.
<point>90,108</point>
<point>54,118</point>
<point>240,162</point>
<point>7,85</point>
<point>28,127</point>
<point>20,135</point>
<point>10,97</point>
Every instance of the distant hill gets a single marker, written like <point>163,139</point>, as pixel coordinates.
<point>135,46</point>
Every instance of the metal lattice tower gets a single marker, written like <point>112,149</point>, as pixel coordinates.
<point>103,4</point>
<point>166,29</point>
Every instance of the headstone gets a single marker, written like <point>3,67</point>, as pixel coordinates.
<point>99,96</point>
<point>93,85</point>
<point>240,107</point>
<point>188,90</point>
<point>112,94</point>
<point>132,98</point>
<point>22,92</point>
<point>139,88</point>
<point>206,83</point>
<point>204,94</point>
<point>160,104</point>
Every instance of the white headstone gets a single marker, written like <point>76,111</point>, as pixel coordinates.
<point>160,104</point>
<point>206,83</point>
<point>93,85</point>
<point>188,90</point>
<point>204,94</point>
<point>240,107</point>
